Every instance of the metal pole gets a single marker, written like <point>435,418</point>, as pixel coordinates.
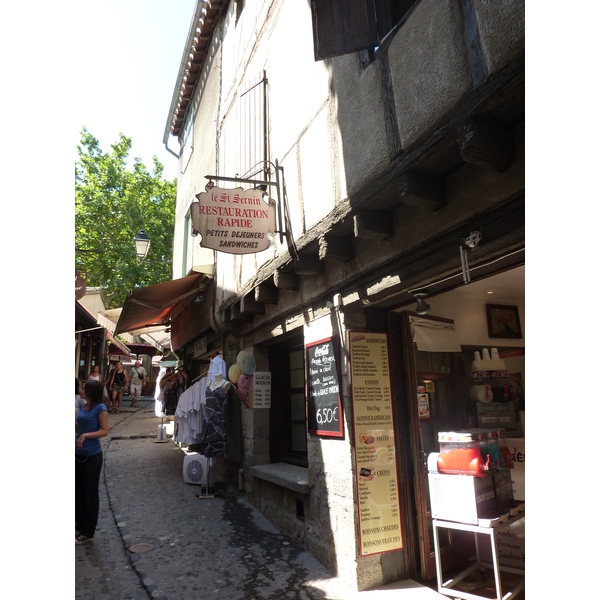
<point>240,180</point>
<point>277,167</point>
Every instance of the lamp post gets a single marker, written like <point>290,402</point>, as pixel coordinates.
<point>142,243</point>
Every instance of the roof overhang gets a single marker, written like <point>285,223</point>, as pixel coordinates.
<point>156,305</point>
<point>196,49</point>
<point>85,322</point>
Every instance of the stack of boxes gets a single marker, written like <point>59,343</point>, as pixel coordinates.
<point>490,392</point>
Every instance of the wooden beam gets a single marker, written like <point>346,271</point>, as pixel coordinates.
<point>237,315</point>
<point>266,293</point>
<point>249,306</point>
<point>373,224</point>
<point>335,247</point>
<point>287,280</point>
<point>486,145</point>
<point>309,265</point>
<point>226,316</point>
<point>424,190</point>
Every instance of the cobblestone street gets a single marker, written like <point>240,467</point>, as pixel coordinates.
<point>157,539</point>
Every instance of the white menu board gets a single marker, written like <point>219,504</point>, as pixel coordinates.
<point>377,481</point>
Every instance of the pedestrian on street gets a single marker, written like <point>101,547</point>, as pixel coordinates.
<point>138,382</point>
<point>79,397</point>
<point>107,391</point>
<point>95,374</point>
<point>91,424</point>
<point>118,385</point>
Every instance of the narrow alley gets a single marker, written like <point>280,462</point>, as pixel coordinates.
<point>157,539</point>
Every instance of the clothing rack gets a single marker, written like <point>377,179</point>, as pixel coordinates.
<point>199,377</point>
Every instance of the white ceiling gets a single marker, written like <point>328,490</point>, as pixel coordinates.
<point>507,286</point>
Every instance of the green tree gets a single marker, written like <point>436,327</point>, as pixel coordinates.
<point>112,204</point>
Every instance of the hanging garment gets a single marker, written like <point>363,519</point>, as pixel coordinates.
<point>159,394</point>
<point>190,413</point>
<point>214,433</point>
<point>217,367</point>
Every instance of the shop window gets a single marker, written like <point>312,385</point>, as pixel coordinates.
<point>252,127</point>
<point>345,26</point>
<point>81,372</point>
<point>188,140</point>
<point>288,402</point>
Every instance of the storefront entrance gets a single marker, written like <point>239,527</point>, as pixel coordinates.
<point>431,392</point>
<point>432,395</point>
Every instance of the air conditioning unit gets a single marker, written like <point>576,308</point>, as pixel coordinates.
<point>195,466</point>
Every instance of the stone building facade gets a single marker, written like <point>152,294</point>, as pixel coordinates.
<point>386,155</point>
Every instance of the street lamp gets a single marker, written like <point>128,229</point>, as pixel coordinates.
<point>142,243</point>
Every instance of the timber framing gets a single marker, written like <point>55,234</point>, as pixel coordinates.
<point>486,145</point>
<point>422,189</point>
<point>474,132</point>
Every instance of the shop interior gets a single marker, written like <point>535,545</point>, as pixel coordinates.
<point>454,394</point>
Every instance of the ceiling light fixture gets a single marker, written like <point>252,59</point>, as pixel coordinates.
<point>422,306</point>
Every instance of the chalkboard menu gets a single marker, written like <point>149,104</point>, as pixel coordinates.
<point>324,400</point>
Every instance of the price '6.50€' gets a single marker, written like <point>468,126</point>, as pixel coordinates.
<point>327,415</point>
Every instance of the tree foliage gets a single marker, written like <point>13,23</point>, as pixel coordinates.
<point>112,204</point>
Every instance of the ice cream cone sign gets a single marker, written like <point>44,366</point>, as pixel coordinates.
<point>241,375</point>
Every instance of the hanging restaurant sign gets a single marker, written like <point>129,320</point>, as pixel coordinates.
<point>236,221</point>
<point>80,284</point>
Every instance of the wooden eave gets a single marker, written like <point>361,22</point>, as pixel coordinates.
<point>199,47</point>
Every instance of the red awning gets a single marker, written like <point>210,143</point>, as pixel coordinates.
<point>116,346</point>
<point>114,350</point>
<point>139,348</point>
<point>157,304</point>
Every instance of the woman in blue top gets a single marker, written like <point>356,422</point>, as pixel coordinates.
<point>91,424</point>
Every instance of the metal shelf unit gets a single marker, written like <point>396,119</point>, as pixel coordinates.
<point>447,587</point>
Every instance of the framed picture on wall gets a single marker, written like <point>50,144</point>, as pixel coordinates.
<point>503,321</point>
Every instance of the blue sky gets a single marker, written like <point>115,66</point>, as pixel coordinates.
<point>126,73</point>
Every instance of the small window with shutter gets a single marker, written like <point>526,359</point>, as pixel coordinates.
<point>345,26</point>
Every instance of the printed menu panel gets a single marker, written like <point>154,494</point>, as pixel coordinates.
<point>377,481</point>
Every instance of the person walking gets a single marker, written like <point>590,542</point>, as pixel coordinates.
<point>95,374</point>
<point>119,383</point>
<point>138,382</point>
<point>91,425</point>
<point>80,400</point>
<point>107,391</point>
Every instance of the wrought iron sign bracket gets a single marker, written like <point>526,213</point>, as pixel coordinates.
<point>279,180</point>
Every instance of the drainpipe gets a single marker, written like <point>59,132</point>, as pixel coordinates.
<point>171,151</point>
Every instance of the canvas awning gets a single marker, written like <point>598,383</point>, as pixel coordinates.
<point>138,348</point>
<point>116,347</point>
<point>157,304</point>
<point>109,318</point>
<point>157,336</point>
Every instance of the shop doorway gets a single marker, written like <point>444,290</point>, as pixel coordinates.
<point>430,389</point>
<point>288,404</point>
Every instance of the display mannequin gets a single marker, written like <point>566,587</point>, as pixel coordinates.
<point>214,430</point>
<point>219,381</point>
